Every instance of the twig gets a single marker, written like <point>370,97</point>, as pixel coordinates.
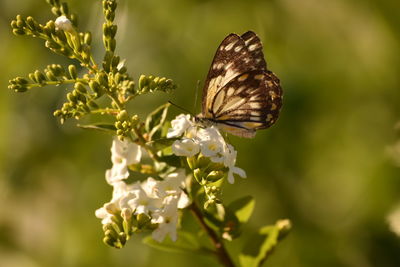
<point>221,251</point>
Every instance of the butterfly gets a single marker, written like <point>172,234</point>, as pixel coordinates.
<point>240,94</point>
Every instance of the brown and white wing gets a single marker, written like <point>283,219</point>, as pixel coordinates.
<point>255,48</point>
<point>231,59</point>
<point>249,102</point>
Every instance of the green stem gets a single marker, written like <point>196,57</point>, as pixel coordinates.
<point>220,250</point>
<point>143,143</point>
<point>110,111</point>
<point>67,81</point>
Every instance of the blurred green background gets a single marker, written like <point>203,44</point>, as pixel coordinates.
<point>325,164</point>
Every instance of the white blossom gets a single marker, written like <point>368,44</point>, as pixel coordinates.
<point>123,154</point>
<point>122,193</point>
<point>63,23</point>
<point>167,220</point>
<point>143,203</point>
<point>185,147</point>
<point>207,141</point>
<point>126,150</point>
<point>160,200</point>
<point>179,125</point>
<point>230,161</point>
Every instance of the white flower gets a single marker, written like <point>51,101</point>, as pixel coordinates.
<point>129,151</point>
<point>117,173</point>
<point>179,125</point>
<point>63,23</point>
<point>185,147</point>
<point>103,214</point>
<point>172,185</point>
<point>230,161</point>
<point>143,203</point>
<point>212,144</point>
<point>150,187</point>
<point>121,195</point>
<point>123,154</point>
<point>167,220</point>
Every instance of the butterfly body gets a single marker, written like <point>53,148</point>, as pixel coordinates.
<point>240,95</point>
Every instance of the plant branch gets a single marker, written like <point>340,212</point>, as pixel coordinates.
<point>220,249</point>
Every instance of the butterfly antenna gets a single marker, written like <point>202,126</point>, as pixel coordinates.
<point>196,94</point>
<point>182,108</point>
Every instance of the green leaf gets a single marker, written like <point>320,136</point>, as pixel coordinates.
<point>186,242</point>
<point>243,208</point>
<point>162,143</point>
<point>171,160</point>
<point>155,120</point>
<point>99,127</point>
<point>261,245</point>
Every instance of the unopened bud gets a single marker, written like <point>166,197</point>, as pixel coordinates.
<point>63,23</point>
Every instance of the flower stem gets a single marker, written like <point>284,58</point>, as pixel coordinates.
<point>220,249</point>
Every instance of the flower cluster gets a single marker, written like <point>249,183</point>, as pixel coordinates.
<point>157,201</point>
<point>207,142</point>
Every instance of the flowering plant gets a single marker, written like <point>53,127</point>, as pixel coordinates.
<point>186,163</point>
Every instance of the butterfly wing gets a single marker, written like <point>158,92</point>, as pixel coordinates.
<point>231,59</point>
<point>249,102</point>
<point>255,49</point>
<point>240,94</point>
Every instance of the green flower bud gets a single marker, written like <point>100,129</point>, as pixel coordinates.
<point>214,176</point>
<point>192,162</point>
<point>109,241</point>
<point>71,97</point>
<point>57,69</point>
<point>50,76</point>
<point>202,161</point>
<point>14,24</point>
<point>122,238</point>
<point>142,220</point>
<point>52,45</point>
<point>113,31</point>
<point>112,44</point>
<point>72,71</point>
<point>32,77</point>
<point>64,8</point>
<point>83,99</point>
<point>199,174</point>
<point>117,78</point>
<point>87,39</point>
<point>39,76</point>
<point>51,26</point>
<point>18,32</point>
<point>76,40</point>
<point>143,81</point>
<point>61,36</point>
<point>31,23</point>
<point>106,30</point>
<point>80,88</point>
<point>74,19</point>
<point>21,80</point>
<point>122,115</point>
<point>102,79</point>
<point>18,88</point>
<point>57,113</point>
<point>20,23</point>
<point>50,2</point>
<point>95,86</point>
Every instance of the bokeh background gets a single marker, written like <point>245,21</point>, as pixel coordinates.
<point>329,164</point>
